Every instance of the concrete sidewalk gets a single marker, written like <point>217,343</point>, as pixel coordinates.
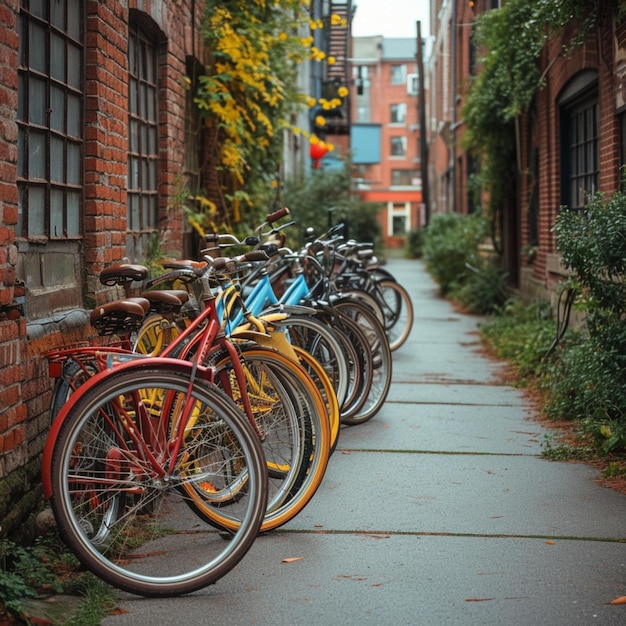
<point>437,511</point>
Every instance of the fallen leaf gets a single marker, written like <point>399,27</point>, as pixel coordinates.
<point>291,559</point>
<point>620,600</point>
<point>550,543</point>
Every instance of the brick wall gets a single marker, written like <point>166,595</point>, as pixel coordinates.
<point>24,382</point>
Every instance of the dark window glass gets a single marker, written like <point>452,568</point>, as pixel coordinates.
<point>50,120</point>
<point>142,207</point>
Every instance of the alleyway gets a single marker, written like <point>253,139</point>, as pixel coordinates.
<point>438,511</point>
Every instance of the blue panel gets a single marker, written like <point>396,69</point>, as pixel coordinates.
<point>365,143</point>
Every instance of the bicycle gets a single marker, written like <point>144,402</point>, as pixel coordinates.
<point>300,474</point>
<point>120,458</point>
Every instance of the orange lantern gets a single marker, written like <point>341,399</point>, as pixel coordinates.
<point>317,151</point>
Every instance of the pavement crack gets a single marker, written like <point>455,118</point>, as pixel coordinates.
<point>442,452</point>
<point>423,533</point>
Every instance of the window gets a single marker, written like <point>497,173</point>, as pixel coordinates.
<point>142,203</point>
<point>50,121</point>
<point>398,113</point>
<point>399,219</point>
<point>579,141</point>
<point>398,74</point>
<point>398,146</point>
<point>50,153</point>
<point>404,178</point>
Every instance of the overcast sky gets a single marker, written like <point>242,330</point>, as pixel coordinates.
<point>390,18</point>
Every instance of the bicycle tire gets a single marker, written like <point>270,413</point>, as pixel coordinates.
<point>397,309</point>
<point>150,545</point>
<point>325,386</point>
<point>309,403</point>
<point>355,342</point>
<point>319,340</point>
<point>381,353</point>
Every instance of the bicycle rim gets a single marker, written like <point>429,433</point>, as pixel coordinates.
<point>309,405</point>
<point>381,355</point>
<point>397,309</point>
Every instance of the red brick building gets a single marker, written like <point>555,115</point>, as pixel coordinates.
<point>385,132</point>
<point>570,142</point>
<point>99,136</point>
<point>92,151</point>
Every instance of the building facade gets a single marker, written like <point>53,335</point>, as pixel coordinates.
<point>569,143</point>
<point>99,135</point>
<point>385,132</point>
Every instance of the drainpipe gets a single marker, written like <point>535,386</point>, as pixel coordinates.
<point>421,104</point>
<point>452,164</point>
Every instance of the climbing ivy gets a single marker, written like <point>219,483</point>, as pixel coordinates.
<point>510,42</point>
<point>247,96</point>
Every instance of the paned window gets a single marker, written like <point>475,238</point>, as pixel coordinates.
<point>398,146</point>
<point>579,147</point>
<point>49,225</point>
<point>50,141</point>
<point>398,113</point>
<point>404,178</point>
<point>399,219</point>
<point>142,203</point>
<point>398,74</point>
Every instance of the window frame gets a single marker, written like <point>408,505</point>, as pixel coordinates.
<point>399,112</point>
<point>579,140</point>
<point>398,74</point>
<point>406,176</point>
<point>142,205</point>
<point>50,227</point>
<point>400,210</point>
<point>394,139</point>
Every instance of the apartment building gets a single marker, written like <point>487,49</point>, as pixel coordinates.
<point>385,132</point>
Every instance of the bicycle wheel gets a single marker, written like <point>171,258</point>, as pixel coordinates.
<point>361,363</point>
<point>308,404</point>
<point>397,310</point>
<point>117,491</point>
<point>319,340</point>
<point>381,354</point>
<point>325,387</point>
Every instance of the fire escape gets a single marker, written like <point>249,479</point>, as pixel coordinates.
<point>336,74</point>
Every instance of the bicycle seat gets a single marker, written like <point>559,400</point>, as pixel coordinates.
<point>123,274</point>
<point>121,317</point>
<point>185,264</point>
<point>166,301</point>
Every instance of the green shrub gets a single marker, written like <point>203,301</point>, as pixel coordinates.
<point>484,290</point>
<point>522,335</point>
<point>589,382</point>
<point>415,244</point>
<point>451,251</point>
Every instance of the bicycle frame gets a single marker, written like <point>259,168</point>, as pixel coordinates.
<point>193,370</point>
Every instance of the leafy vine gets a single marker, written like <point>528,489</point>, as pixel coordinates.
<point>511,41</point>
<point>246,97</point>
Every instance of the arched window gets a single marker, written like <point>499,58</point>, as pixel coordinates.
<point>578,105</point>
<point>143,149</point>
